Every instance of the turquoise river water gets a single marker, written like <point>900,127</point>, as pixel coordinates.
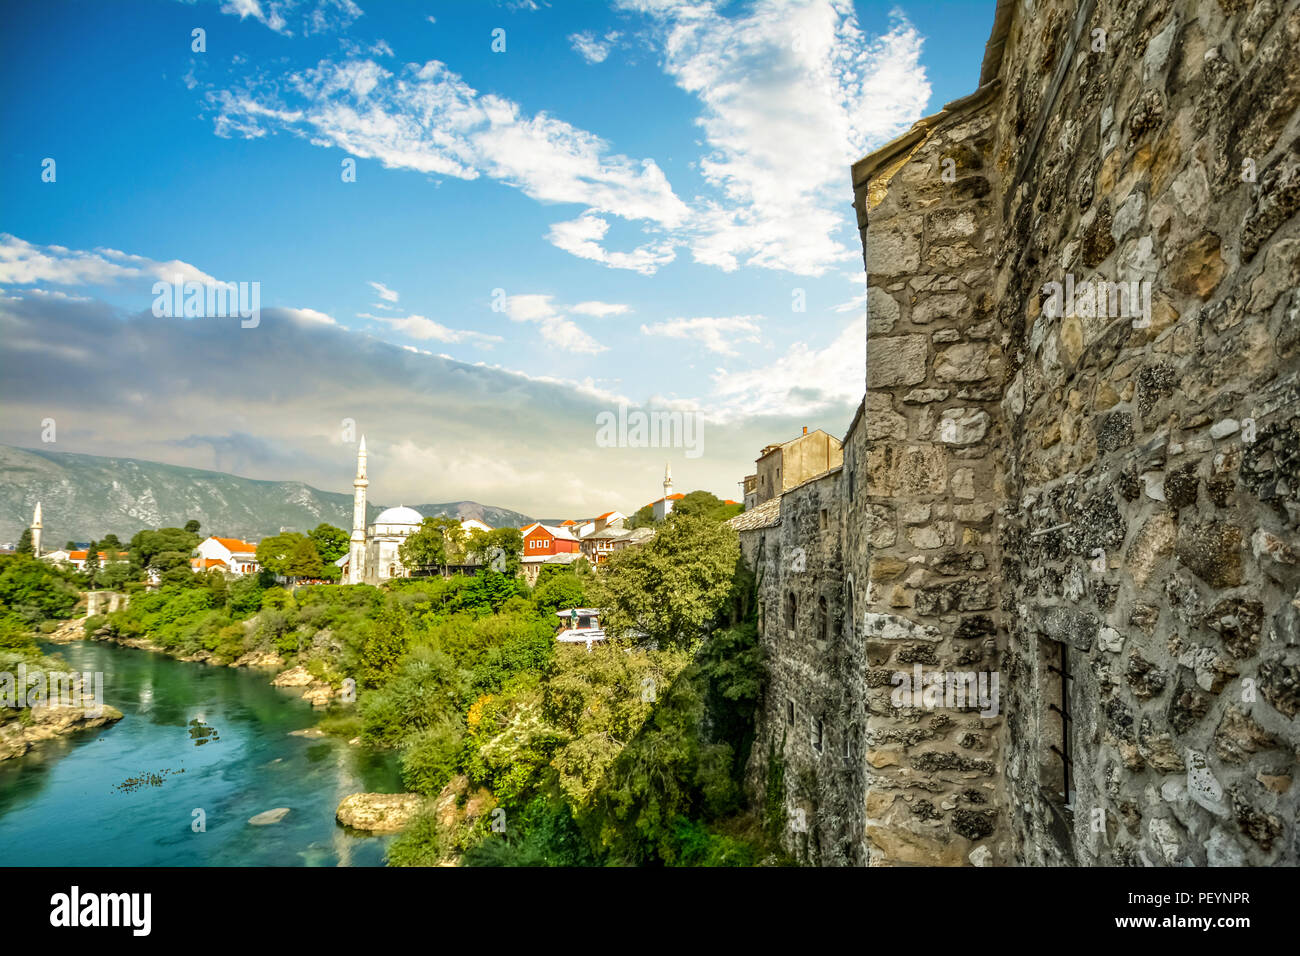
<point>193,737</point>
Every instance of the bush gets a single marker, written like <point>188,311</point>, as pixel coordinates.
<point>421,844</point>
<point>431,757</point>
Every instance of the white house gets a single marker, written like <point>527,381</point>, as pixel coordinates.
<point>238,557</point>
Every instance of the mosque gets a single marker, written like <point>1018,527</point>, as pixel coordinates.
<point>373,553</point>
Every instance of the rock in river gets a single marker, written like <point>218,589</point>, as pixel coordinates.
<point>270,816</point>
<point>379,812</point>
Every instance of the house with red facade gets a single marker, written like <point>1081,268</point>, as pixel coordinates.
<point>541,541</point>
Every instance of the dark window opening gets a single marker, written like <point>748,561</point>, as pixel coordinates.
<point>1057,765</point>
<point>818,734</point>
<point>822,619</point>
<point>848,608</point>
<point>789,712</point>
<point>791,609</point>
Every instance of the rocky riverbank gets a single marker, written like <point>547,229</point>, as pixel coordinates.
<point>318,692</point>
<point>45,723</point>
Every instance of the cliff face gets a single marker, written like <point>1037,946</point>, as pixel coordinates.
<point>1076,468</point>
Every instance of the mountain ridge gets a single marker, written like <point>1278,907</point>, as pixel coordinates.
<point>84,496</point>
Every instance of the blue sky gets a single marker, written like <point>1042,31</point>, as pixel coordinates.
<point>643,189</point>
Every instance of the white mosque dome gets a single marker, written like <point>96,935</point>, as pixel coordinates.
<point>400,515</point>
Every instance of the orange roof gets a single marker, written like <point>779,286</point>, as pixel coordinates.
<point>234,544</point>
<point>605,515</point>
<point>675,497</point>
<point>565,524</point>
<point>204,564</point>
<point>81,555</point>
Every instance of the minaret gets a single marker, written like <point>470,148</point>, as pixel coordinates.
<point>357,554</point>
<point>668,480</point>
<point>36,531</point>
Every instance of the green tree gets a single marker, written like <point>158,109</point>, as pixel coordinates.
<point>111,542</point>
<point>162,550</point>
<point>244,597</point>
<point>192,526</point>
<point>671,588</point>
<point>25,542</point>
<point>485,546</point>
<point>331,542</point>
<point>304,561</point>
<point>383,645</point>
<point>439,542</point>
<point>91,568</point>
<point>70,546</point>
<point>35,590</point>
<point>280,552</point>
<point>115,574</point>
<point>643,517</point>
<point>559,591</point>
<point>706,504</point>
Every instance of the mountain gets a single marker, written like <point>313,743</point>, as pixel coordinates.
<point>84,496</point>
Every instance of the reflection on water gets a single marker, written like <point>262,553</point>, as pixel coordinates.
<point>210,747</point>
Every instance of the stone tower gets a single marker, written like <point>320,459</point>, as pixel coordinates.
<point>36,531</point>
<point>357,556</point>
<point>668,480</point>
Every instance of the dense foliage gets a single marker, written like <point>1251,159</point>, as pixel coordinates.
<point>630,752</point>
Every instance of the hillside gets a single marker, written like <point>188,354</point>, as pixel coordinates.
<point>86,496</point>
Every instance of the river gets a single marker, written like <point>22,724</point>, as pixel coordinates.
<point>192,736</point>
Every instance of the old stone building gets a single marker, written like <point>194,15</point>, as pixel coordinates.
<point>1075,471</point>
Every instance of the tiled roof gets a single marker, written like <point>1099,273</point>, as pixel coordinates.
<point>766,515</point>
<point>235,545</point>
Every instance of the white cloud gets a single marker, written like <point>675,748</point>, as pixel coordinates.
<point>802,382</point>
<point>581,237</point>
<point>24,262</point>
<point>566,336</point>
<point>591,48</point>
<point>600,309</point>
<point>320,16</point>
<point>715,334</point>
<point>555,328</point>
<point>792,92</point>
<point>385,293</point>
<point>309,315</point>
<point>427,118</point>
<point>420,327</point>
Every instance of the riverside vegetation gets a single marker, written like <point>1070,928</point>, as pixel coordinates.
<point>528,752</point>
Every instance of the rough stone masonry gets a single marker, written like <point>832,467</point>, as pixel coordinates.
<point>1076,466</point>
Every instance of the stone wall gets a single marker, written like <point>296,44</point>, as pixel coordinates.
<point>1153,460</point>
<point>927,489</point>
<point>804,768</point>
<point>1097,498</point>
